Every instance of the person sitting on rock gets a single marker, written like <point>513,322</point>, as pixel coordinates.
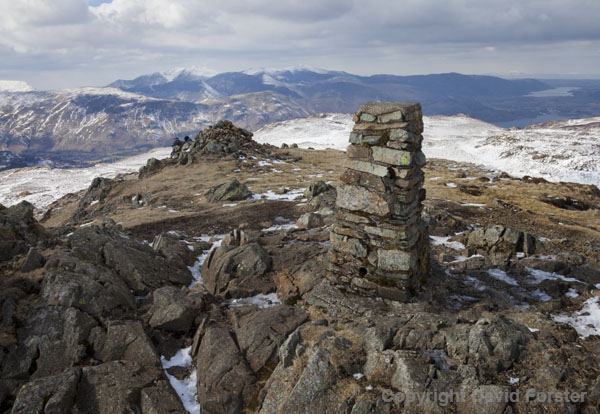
<point>177,142</point>
<point>187,139</point>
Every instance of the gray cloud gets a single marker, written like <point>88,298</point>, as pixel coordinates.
<point>42,40</point>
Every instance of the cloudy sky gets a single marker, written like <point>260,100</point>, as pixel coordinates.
<point>70,43</point>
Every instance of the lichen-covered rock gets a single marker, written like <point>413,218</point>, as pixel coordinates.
<point>161,398</point>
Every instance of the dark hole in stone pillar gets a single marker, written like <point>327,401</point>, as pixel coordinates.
<point>362,272</point>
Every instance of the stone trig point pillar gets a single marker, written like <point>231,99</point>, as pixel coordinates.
<point>378,233</point>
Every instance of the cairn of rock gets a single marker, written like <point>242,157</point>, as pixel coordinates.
<point>378,233</point>
<point>222,138</point>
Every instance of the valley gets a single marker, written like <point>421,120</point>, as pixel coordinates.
<point>73,127</point>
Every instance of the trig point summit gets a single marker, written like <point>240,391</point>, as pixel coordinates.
<point>378,233</point>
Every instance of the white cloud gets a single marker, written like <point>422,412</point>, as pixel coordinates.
<point>378,36</point>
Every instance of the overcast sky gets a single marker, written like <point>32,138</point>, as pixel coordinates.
<point>70,43</point>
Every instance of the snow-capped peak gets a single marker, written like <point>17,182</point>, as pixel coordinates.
<point>15,86</point>
<point>292,69</point>
<point>192,71</point>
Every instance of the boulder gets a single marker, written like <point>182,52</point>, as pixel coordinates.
<point>173,310</point>
<point>260,332</point>
<point>239,267</point>
<point>497,238</point>
<point>71,282</point>
<point>50,395</point>
<point>51,340</point>
<point>127,340</point>
<point>240,237</point>
<point>317,188</point>
<point>33,260</point>
<point>137,264</point>
<point>229,191</point>
<point>174,249</point>
<point>227,383</point>
<point>310,220</point>
<point>495,343</point>
<point>310,394</point>
<point>98,191</point>
<point>19,230</point>
<point>152,167</point>
<point>116,387</point>
<point>161,398</point>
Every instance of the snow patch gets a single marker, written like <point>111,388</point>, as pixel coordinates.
<point>261,301</point>
<point>539,276</point>
<point>586,321</point>
<point>186,389</point>
<point>271,195</point>
<point>501,275</point>
<point>47,185</point>
<point>572,293</point>
<point>445,241</point>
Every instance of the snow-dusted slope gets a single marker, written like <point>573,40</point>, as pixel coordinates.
<point>14,86</point>
<point>319,132</point>
<point>44,185</point>
<point>558,151</point>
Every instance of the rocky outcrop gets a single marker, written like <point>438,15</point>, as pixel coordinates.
<point>174,310</point>
<point>230,191</point>
<point>152,167</point>
<point>55,394</point>
<point>81,347</point>
<point>137,264</point>
<point>236,271</point>
<point>120,386</point>
<point>228,384</point>
<point>97,192</point>
<point>497,238</point>
<point>171,245</point>
<point>19,231</point>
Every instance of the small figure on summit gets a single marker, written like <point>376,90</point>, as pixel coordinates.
<point>187,139</point>
<point>177,142</point>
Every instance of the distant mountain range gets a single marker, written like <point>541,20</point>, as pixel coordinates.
<point>130,116</point>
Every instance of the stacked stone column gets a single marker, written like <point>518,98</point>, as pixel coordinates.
<point>378,233</point>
